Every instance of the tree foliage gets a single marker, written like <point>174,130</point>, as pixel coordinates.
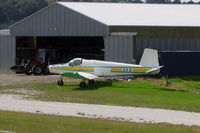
<point>14,10</point>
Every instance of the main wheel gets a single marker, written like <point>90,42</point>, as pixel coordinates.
<point>28,70</point>
<point>82,85</point>
<point>60,83</point>
<point>91,82</point>
<point>37,70</point>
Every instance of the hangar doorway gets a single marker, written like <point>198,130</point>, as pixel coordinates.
<point>62,49</point>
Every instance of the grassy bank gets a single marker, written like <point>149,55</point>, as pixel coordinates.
<point>135,93</point>
<point>34,123</point>
<point>186,83</point>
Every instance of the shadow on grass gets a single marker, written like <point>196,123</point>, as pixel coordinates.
<point>97,85</point>
<point>168,89</point>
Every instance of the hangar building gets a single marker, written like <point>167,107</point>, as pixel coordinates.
<point>107,31</point>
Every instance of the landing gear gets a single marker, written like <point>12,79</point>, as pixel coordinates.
<point>60,82</point>
<point>91,82</point>
<point>82,84</point>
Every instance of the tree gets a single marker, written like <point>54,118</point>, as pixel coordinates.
<point>190,2</point>
<point>176,2</point>
<point>3,17</point>
<point>158,1</point>
<point>14,10</point>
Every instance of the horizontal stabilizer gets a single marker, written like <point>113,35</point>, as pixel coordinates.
<point>154,70</point>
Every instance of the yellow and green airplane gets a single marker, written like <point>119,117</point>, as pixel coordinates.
<point>91,69</point>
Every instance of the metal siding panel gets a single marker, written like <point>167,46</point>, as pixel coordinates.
<point>54,20</point>
<point>7,54</point>
<point>62,19</point>
<point>4,54</point>
<point>166,45</point>
<point>119,48</point>
<point>111,48</point>
<point>1,54</point>
<point>50,22</point>
<point>116,41</point>
<point>71,21</point>
<point>198,45</point>
<point>79,25</point>
<point>7,46</point>
<point>43,23</point>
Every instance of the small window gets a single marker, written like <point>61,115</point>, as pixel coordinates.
<point>75,62</point>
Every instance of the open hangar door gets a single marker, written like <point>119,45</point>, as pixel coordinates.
<point>61,49</point>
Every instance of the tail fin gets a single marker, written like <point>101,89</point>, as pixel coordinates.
<point>150,58</point>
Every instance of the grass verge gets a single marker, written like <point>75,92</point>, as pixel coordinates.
<point>186,83</point>
<point>34,123</point>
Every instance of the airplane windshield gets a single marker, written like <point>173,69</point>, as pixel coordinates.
<point>75,62</point>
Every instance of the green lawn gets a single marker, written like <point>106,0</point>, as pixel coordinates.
<point>34,123</point>
<point>135,93</point>
<point>186,83</point>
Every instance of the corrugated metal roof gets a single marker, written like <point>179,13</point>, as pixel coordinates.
<point>5,32</point>
<point>116,14</point>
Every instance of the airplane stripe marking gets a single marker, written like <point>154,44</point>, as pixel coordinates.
<point>140,69</point>
<point>116,69</point>
<point>130,70</point>
<point>75,68</point>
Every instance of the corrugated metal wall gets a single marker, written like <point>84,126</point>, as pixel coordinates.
<point>57,20</point>
<point>7,53</point>
<point>119,48</point>
<point>166,45</point>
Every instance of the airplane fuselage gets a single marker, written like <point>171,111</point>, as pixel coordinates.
<point>100,68</point>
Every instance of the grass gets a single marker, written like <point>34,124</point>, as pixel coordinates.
<point>187,83</point>
<point>35,123</point>
<point>135,93</point>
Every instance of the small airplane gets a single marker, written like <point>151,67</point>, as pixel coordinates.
<point>91,69</point>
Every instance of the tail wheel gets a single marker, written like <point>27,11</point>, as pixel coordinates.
<point>60,83</point>
<point>82,85</point>
<point>28,70</point>
<point>91,82</point>
<point>38,70</point>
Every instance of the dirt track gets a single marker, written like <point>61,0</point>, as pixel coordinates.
<point>10,79</point>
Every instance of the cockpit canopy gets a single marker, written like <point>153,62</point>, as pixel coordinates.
<point>75,62</point>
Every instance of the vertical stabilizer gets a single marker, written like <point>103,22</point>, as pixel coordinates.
<point>150,58</point>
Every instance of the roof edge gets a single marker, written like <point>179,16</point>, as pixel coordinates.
<point>5,32</point>
<point>80,12</point>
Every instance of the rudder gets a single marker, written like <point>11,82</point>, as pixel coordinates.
<point>149,58</point>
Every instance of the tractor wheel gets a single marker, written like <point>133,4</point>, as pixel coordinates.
<point>60,83</point>
<point>82,85</point>
<point>37,70</point>
<point>91,82</point>
<point>28,70</point>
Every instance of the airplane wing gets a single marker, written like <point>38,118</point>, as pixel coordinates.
<point>154,70</point>
<point>82,75</point>
<point>87,75</point>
